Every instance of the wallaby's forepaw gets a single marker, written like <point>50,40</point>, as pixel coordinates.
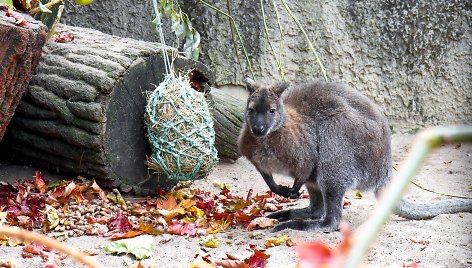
<point>288,192</point>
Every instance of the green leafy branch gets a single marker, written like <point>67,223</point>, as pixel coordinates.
<point>182,27</point>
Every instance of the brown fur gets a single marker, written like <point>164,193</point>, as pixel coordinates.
<point>328,137</point>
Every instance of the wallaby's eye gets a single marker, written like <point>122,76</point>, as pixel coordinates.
<point>272,111</point>
<point>250,110</point>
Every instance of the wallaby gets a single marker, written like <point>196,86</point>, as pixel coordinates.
<point>330,138</point>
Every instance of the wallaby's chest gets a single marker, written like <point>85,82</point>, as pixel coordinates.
<point>284,155</point>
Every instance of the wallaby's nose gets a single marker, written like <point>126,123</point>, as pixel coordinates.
<point>258,130</point>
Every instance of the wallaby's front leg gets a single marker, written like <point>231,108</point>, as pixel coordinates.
<point>314,211</point>
<point>285,191</point>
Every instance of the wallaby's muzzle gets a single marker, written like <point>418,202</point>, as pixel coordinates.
<point>259,130</point>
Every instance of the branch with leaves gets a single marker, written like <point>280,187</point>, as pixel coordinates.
<point>182,27</point>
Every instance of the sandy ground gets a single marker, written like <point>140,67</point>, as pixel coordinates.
<point>447,170</point>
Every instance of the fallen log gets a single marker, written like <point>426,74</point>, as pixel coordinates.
<point>83,110</point>
<point>20,51</point>
<point>228,117</point>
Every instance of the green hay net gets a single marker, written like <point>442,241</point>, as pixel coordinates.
<point>180,130</point>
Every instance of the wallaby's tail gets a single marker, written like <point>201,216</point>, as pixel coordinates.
<point>422,211</point>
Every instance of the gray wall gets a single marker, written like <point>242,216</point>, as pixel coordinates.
<point>414,58</point>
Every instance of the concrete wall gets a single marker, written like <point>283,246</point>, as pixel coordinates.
<point>414,58</point>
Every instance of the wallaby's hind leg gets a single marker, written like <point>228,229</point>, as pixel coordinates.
<point>333,197</point>
<point>314,211</point>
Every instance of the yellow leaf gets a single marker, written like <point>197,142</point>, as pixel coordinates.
<point>183,194</point>
<point>276,241</point>
<point>187,203</point>
<point>170,214</point>
<point>210,241</point>
<point>52,217</point>
<point>358,195</point>
<point>197,213</point>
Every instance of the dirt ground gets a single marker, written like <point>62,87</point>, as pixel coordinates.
<point>447,170</point>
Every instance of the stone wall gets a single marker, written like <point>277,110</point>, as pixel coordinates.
<point>414,58</point>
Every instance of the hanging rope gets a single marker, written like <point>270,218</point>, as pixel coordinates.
<point>179,125</point>
<point>158,23</point>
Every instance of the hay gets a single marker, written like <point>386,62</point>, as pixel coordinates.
<point>180,130</point>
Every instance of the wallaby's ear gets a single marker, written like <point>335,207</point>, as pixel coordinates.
<point>250,84</point>
<point>280,88</point>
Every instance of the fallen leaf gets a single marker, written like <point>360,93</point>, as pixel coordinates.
<point>141,247</point>
<point>231,263</point>
<point>120,223</point>
<point>39,183</point>
<point>52,218</point>
<point>346,204</point>
<point>182,228</point>
<point>358,195</point>
<point>276,241</point>
<point>115,197</point>
<point>8,264</point>
<point>202,262</point>
<point>99,191</point>
<point>422,242</point>
<point>128,234</point>
<point>150,228</point>
<point>34,248</point>
<point>210,241</point>
<point>69,188</point>
<point>91,251</point>
<point>52,259</point>
<point>258,259</point>
<point>261,223</point>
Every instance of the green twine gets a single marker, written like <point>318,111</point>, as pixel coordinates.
<point>180,130</point>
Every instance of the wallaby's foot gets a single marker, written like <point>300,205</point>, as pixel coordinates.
<point>308,225</point>
<point>286,191</point>
<point>295,214</point>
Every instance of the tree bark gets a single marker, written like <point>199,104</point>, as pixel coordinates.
<point>20,51</point>
<point>83,110</point>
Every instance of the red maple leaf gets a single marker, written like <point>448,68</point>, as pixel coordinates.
<point>119,223</point>
<point>258,259</point>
